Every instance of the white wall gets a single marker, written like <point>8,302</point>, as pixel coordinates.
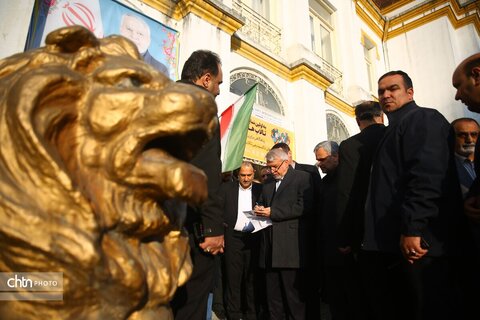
<point>428,55</point>
<point>308,116</point>
<point>14,22</point>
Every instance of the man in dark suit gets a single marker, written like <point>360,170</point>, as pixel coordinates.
<point>241,244</point>
<point>314,262</point>
<point>410,205</point>
<point>286,200</point>
<point>353,174</point>
<point>466,80</point>
<point>335,272</point>
<point>203,68</point>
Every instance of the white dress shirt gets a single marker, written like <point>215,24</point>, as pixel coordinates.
<point>244,205</point>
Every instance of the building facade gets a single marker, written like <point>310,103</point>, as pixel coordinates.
<point>313,59</point>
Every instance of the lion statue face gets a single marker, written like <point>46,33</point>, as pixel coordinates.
<point>94,149</point>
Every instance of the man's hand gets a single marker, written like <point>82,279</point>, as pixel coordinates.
<point>213,245</point>
<point>261,211</point>
<point>472,208</point>
<point>411,248</point>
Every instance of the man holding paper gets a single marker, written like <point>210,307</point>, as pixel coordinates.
<point>241,243</point>
<point>286,201</point>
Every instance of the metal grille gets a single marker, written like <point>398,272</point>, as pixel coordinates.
<point>258,28</point>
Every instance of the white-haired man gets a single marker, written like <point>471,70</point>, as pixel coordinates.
<point>286,200</point>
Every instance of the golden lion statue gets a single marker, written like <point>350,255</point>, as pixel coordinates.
<point>94,144</point>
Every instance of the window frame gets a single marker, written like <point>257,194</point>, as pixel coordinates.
<point>316,31</point>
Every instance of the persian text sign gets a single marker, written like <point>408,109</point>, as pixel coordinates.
<point>264,131</point>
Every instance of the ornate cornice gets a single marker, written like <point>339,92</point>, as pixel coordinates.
<point>395,6</point>
<point>417,17</point>
<point>309,74</point>
<point>299,71</point>
<point>215,14</point>
<point>370,16</point>
<point>167,7</point>
<point>432,11</point>
<point>339,104</point>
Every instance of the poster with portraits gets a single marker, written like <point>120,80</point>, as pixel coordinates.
<point>265,129</point>
<point>158,44</point>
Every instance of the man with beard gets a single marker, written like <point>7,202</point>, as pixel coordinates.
<point>466,134</point>
<point>205,223</point>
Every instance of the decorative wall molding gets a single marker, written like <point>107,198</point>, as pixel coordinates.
<point>209,10</point>
<point>339,104</point>
<point>416,17</point>
<point>302,70</point>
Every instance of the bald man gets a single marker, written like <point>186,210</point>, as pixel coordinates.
<point>466,79</point>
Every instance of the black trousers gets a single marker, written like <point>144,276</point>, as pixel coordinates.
<point>241,274</point>
<point>190,300</point>
<point>285,293</point>
<point>466,281</point>
<point>396,289</point>
<point>343,292</point>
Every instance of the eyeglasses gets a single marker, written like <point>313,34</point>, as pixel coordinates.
<point>277,167</point>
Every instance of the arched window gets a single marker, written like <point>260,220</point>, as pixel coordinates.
<point>336,129</point>
<point>242,80</point>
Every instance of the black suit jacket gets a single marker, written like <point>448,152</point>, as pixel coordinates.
<point>353,175</point>
<point>316,180</point>
<point>412,181</point>
<point>283,245</point>
<point>313,171</point>
<point>313,224</point>
<point>229,200</point>
<point>210,212</point>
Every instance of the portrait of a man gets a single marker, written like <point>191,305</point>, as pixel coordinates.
<point>138,31</point>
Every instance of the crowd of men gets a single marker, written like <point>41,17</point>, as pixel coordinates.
<point>392,231</point>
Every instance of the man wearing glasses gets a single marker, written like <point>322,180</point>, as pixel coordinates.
<point>314,262</point>
<point>286,200</point>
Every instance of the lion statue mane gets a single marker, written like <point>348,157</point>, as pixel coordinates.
<point>94,176</point>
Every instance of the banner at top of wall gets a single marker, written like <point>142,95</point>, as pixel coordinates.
<point>158,44</point>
